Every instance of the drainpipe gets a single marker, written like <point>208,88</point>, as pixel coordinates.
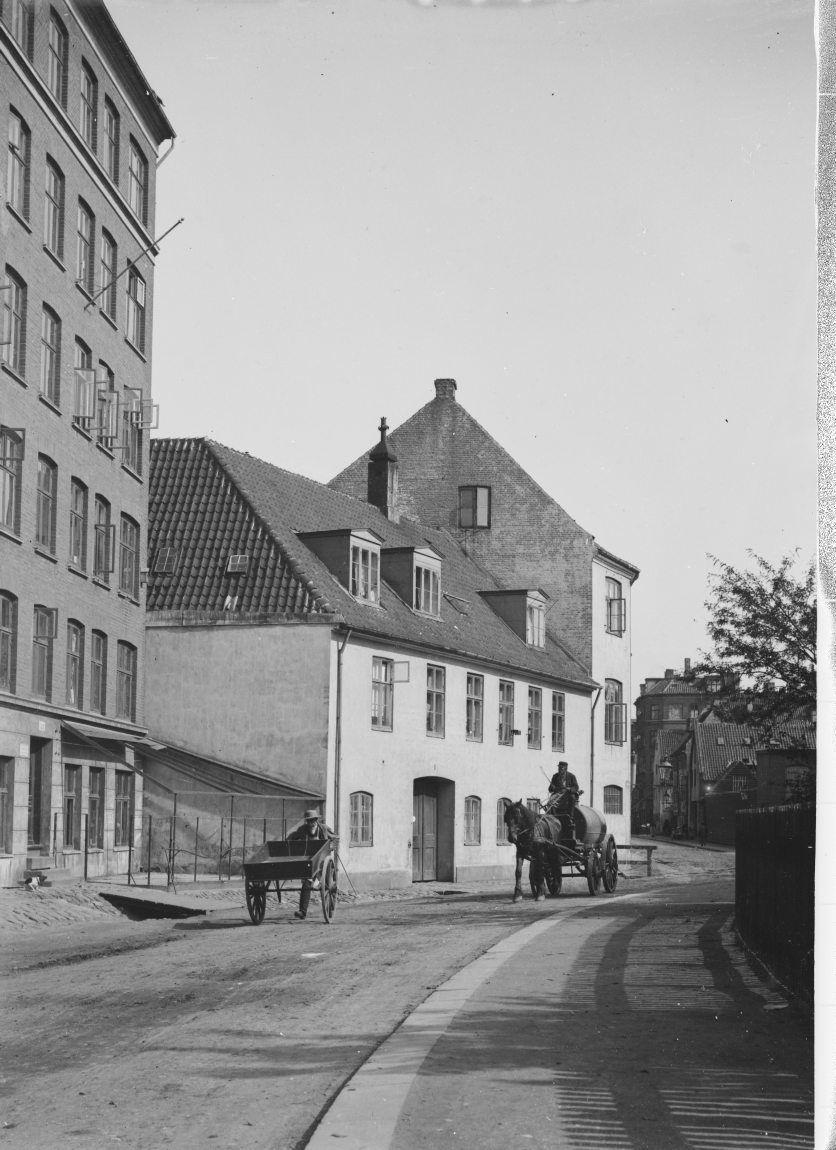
<point>592,749</point>
<point>338,733</point>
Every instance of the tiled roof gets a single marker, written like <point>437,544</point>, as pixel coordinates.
<point>674,687</point>
<point>668,742</point>
<point>792,735</point>
<point>719,744</point>
<point>209,501</point>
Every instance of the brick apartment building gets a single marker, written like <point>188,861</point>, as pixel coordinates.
<point>84,132</point>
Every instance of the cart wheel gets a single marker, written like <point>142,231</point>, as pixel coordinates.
<point>554,879</point>
<point>328,890</point>
<point>610,866</point>
<point>593,871</point>
<point>256,900</point>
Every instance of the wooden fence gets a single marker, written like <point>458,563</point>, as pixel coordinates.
<point>774,884</point>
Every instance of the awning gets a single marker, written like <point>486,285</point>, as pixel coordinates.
<point>102,739</point>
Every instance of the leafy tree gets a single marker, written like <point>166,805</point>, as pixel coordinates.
<point>762,623</point>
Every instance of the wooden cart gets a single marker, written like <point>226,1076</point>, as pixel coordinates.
<point>284,861</point>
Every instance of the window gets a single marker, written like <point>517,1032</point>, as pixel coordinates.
<point>655,711</point>
<point>535,718</point>
<point>86,228</point>
<point>474,507</point>
<point>95,809</point>
<point>613,801</point>
<point>122,822</point>
<point>427,597</point>
<point>111,140</point>
<point>57,60</point>
<point>107,273</point>
<point>129,557</point>
<point>501,830</point>
<point>78,524</point>
<point>125,681</point>
<point>107,407</point>
<point>472,821</point>
<point>20,20</point>
<point>615,713</point>
<point>84,397</point>
<point>616,608</point>
<point>98,672</point>
<point>436,677</point>
<point>72,807</point>
<point>135,315</point>
<point>558,721</point>
<point>676,711</point>
<point>11,468</point>
<point>43,637</point>
<point>360,819</point>
<point>8,641</point>
<point>45,504</point>
<point>382,691</point>
<point>102,540</point>
<point>740,783</point>
<point>50,355</point>
<point>475,707</point>
<point>132,429</point>
<point>506,712</point>
<point>14,323</point>
<point>54,210</point>
<point>713,684</point>
<point>535,624</point>
<point>88,117</point>
<point>75,664</point>
<point>365,573</point>
<point>17,168</point>
<point>138,183</point>
<point>7,794</point>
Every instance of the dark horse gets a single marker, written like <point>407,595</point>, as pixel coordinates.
<point>535,837</point>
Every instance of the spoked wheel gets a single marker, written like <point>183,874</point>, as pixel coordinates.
<point>610,866</point>
<point>554,879</point>
<point>328,890</point>
<point>256,900</point>
<point>593,872</point>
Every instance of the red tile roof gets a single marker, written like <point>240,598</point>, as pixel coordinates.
<point>209,501</point>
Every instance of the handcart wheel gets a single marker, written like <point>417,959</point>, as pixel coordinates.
<point>554,879</point>
<point>610,866</point>
<point>328,890</point>
<point>593,871</point>
<point>256,900</point>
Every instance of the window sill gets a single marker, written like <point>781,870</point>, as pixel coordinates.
<point>71,851</point>
<point>10,535</point>
<point>50,403</point>
<point>108,319</point>
<point>45,554</point>
<point>127,595</point>
<point>529,747</point>
<point>104,450</point>
<point>134,474</point>
<point>360,846</point>
<point>382,730</point>
<point>56,259</point>
<point>79,571</point>
<point>435,735</point>
<point>82,431</point>
<point>11,371</point>
<point>20,219</point>
<point>101,583</point>
<point>473,739</point>
<point>84,291</point>
<point>136,350</point>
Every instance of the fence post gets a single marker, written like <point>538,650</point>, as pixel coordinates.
<point>244,842</point>
<point>148,862</point>
<point>86,838</point>
<point>231,831</point>
<point>196,842</point>
<point>264,833</point>
<point>221,851</point>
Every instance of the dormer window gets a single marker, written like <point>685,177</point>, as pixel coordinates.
<point>535,623</point>
<point>426,585</point>
<point>365,571</point>
<point>523,610</point>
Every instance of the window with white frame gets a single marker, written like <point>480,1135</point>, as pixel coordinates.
<point>365,572</point>
<point>50,355</point>
<point>85,231</point>
<point>535,718</point>
<point>436,690</point>
<point>501,830</point>
<point>111,140</point>
<point>125,681</point>
<point>474,506</point>
<point>75,664</point>
<point>54,209</point>
<point>129,557</point>
<point>361,819</point>
<point>107,407</point>
<point>96,808</point>
<point>88,114</point>
<point>472,821</point>
<point>138,182</point>
<point>122,808</point>
<point>13,347</point>
<point>72,806</point>
<point>8,641</point>
<point>11,470</point>
<point>21,22</point>
<point>78,524</point>
<point>427,584</point>
<point>474,720</point>
<point>17,167</point>
<point>506,712</point>
<point>57,59</point>
<point>383,673</point>
<point>98,672</point>
<point>535,623</point>
<point>616,619</point>
<point>132,429</point>
<point>84,391</point>
<point>45,504</point>
<point>615,712</point>
<point>558,721</point>
<point>43,638</point>
<point>102,540</point>
<point>107,275</point>
<point>613,800</point>
<point>135,314</point>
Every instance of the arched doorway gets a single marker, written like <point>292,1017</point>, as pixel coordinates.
<point>433,810</point>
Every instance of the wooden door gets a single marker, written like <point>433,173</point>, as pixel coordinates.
<point>40,778</point>
<point>424,834</point>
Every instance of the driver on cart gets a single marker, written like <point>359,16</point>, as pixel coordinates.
<point>564,793</point>
<point>314,830</point>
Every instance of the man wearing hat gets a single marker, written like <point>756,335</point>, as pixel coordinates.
<point>314,830</point>
<point>564,793</point>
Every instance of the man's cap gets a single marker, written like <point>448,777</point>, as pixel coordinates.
<point>311,814</point>
<point>563,763</point>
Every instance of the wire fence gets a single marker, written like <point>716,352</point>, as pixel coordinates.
<point>774,890</point>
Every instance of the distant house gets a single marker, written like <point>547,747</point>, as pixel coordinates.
<point>307,638</point>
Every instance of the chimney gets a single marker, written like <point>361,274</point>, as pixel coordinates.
<point>445,389</point>
<point>382,488</point>
<point>687,666</point>
<point>669,672</point>
<point>642,688</point>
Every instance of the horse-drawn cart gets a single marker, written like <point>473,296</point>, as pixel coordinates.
<point>553,852</point>
<point>283,861</point>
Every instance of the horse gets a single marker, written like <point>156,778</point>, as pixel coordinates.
<point>534,837</point>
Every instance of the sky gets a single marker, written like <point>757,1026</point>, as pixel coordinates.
<point>597,216</point>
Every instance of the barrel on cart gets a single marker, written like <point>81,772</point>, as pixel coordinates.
<point>592,854</point>
<point>280,862</point>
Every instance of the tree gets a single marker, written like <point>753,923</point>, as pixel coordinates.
<point>762,623</point>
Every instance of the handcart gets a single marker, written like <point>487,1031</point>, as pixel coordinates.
<point>284,861</point>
